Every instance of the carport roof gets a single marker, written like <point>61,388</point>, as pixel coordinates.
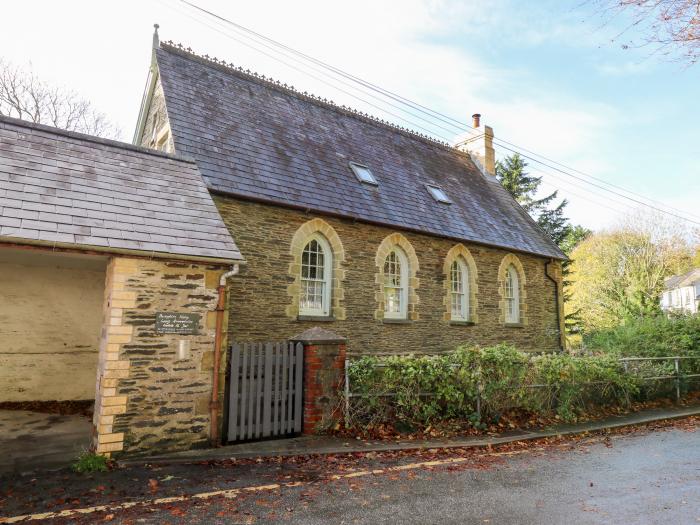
<point>67,189</point>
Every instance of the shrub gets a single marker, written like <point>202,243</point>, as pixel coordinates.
<point>657,336</point>
<point>420,390</point>
<point>650,337</point>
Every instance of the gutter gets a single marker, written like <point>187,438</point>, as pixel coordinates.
<point>220,308</point>
<point>33,244</point>
<point>560,327</point>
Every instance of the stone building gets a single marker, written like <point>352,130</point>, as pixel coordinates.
<point>391,239</point>
<point>111,258</point>
<point>357,237</point>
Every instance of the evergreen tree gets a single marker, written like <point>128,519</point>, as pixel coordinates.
<point>511,173</point>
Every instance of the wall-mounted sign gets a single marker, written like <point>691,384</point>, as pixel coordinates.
<point>177,323</point>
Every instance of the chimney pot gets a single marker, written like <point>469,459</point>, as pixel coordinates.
<point>476,120</point>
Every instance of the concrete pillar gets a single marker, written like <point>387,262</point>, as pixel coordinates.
<point>324,375</point>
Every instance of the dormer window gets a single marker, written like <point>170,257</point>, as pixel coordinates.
<point>438,194</point>
<point>363,174</point>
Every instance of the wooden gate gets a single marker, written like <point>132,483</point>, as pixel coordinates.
<point>265,390</point>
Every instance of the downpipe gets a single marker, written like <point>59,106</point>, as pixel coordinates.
<point>214,403</point>
<point>557,291</point>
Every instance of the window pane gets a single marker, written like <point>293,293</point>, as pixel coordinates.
<point>512,296</point>
<point>393,285</point>
<point>363,173</point>
<point>393,300</point>
<point>313,284</point>
<point>459,294</point>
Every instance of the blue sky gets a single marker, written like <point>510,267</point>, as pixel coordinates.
<point>544,75</point>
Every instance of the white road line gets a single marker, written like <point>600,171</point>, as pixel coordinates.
<point>232,493</point>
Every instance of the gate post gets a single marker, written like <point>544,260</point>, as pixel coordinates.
<point>324,373</point>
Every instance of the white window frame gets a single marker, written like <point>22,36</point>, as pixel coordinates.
<point>463,298</point>
<point>512,295</point>
<point>402,259</point>
<point>438,193</point>
<point>356,168</point>
<point>327,280</point>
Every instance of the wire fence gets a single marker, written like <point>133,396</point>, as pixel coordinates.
<point>667,368</point>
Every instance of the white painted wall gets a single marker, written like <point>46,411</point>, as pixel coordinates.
<point>50,323</point>
<point>682,299</point>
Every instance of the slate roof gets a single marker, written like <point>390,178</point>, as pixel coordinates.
<point>258,139</point>
<point>679,281</point>
<point>68,189</point>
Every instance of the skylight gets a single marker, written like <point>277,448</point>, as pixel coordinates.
<point>363,174</point>
<point>438,194</point>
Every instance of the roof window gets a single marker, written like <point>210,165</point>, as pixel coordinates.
<point>363,174</point>
<point>438,194</point>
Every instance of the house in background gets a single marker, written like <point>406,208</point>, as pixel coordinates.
<point>682,293</point>
<point>393,240</point>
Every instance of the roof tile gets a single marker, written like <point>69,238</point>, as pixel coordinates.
<point>254,139</point>
<point>63,187</point>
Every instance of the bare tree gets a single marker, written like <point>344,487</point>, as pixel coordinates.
<point>671,27</point>
<point>23,95</point>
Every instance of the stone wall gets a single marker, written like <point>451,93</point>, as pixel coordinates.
<point>147,398</point>
<point>260,295</point>
<point>50,318</point>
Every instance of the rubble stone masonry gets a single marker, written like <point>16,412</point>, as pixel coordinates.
<point>147,399</point>
<point>260,301</point>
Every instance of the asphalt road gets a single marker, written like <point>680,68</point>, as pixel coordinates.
<point>652,478</point>
<point>644,476</point>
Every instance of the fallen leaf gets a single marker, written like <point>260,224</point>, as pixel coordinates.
<point>153,485</point>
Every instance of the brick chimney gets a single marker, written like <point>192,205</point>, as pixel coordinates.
<point>480,146</point>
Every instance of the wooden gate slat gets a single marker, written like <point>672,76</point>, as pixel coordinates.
<point>278,389</point>
<point>285,387</point>
<point>259,390</point>
<point>244,392</point>
<point>290,387</point>
<point>267,391</point>
<point>233,391</point>
<point>298,388</point>
<point>251,391</point>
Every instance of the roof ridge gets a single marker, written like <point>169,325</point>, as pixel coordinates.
<point>291,90</point>
<point>97,140</point>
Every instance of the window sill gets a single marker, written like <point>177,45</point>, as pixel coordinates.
<point>514,325</point>
<point>317,318</point>
<point>396,321</point>
<point>462,323</point>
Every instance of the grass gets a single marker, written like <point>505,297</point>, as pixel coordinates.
<point>88,462</point>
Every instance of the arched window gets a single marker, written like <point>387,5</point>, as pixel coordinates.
<point>396,285</point>
<point>512,295</point>
<point>316,275</point>
<point>459,290</point>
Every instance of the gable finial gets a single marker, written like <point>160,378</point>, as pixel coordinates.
<point>156,40</point>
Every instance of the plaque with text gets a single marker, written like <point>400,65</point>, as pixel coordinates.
<point>177,323</point>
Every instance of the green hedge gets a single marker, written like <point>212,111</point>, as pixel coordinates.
<point>650,337</point>
<point>658,336</point>
<point>420,390</point>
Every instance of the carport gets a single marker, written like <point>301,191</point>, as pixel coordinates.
<point>50,324</point>
<point>111,265</point>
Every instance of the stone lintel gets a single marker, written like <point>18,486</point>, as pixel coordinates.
<point>318,336</point>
